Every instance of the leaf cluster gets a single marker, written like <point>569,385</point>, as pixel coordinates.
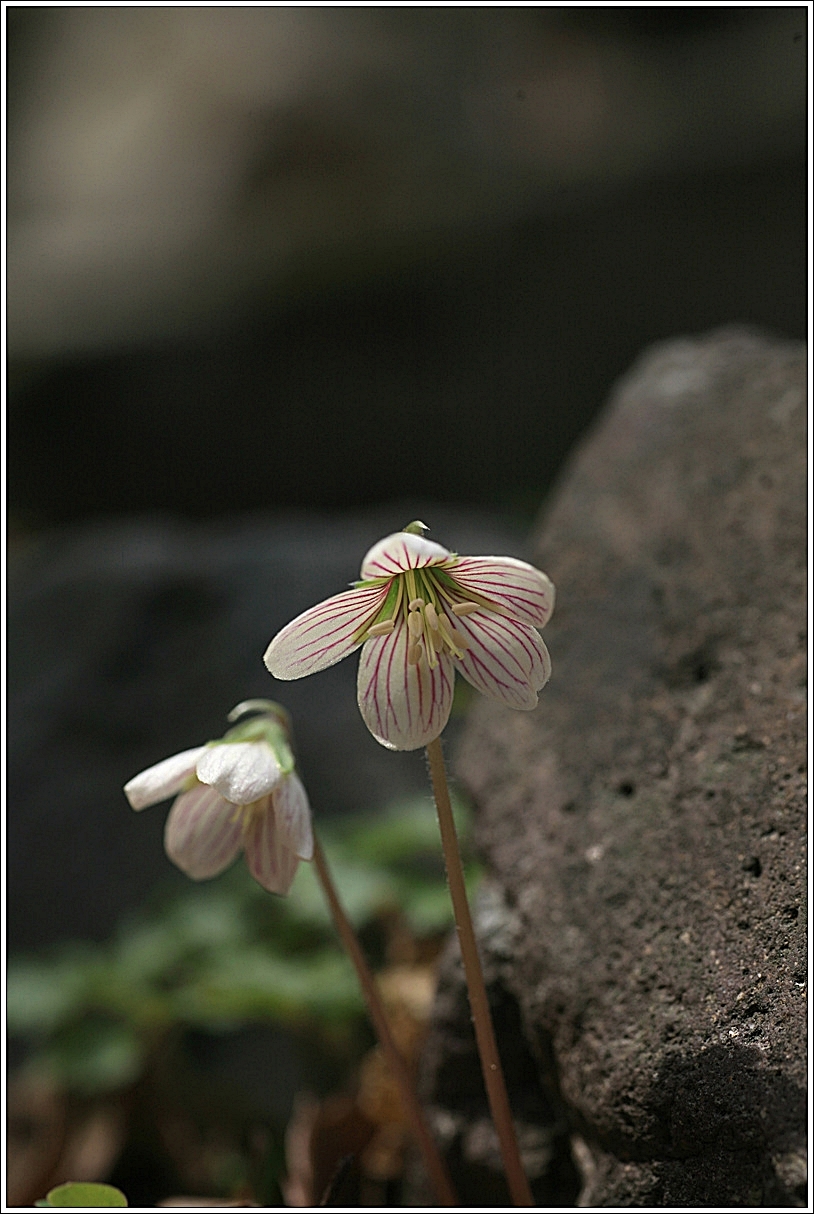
<point>224,954</point>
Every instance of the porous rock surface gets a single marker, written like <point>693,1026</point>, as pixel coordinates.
<point>644,930</point>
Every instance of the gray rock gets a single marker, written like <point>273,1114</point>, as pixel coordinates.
<point>646,825</point>
<point>130,640</point>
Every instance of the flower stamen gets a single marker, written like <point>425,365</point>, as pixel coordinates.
<point>466,608</point>
<point>415,624</point>
<point>455,641</point>
<point>381,629</point>
<point>430,629</point>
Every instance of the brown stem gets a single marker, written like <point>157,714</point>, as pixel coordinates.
<point>478,1002</point>
<point>433,1162</point>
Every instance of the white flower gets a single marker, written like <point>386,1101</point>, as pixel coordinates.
<point>237,793</point>
<point>420,613</point>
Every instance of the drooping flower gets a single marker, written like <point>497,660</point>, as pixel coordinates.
<point>240,792</point>
<point>420,613</point>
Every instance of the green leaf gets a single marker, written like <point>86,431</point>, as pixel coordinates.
<point>426,903</point>
<point>255,984</point>
<point>363,890</point>
<point>427,908</point>
<point>79,1193</point>
<point>228,953</point>
<point>41,994</point>
<point>96,1055</point>
<point>401,832</point>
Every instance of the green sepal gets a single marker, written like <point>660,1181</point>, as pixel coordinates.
<point>366,582</point>
<point>386,610</point>
<point>268,707</point>
<point>442,576</point>
<point>270,727</point>
<point>416,528</point>
<point>81,1193</point>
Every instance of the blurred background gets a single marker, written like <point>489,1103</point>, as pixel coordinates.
<point>279,280</point>
<point>254,253</point>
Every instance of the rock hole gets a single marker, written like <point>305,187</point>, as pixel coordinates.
<point>626,789</point>
<point>690,669</point>
<point>752,866</point>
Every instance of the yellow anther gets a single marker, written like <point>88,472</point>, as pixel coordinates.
<point>414,654</point>
<point>415,604</point>
<point>382,629</point>
<point>432,617</point>
<point>455,640</point>
<point>415,623</point>
<point>465,608</point>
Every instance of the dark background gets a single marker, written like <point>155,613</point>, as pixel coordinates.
<point>266,258</point>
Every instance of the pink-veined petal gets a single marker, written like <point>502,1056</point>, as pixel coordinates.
<point>521,591</point>
<point>404,706</point>
<point>293,816</point>
<point>269,860</point>
<point>505,661</point>
<point>163,780</point>
<point>203,833</point>
<point>401,551</point>
<point>324,634</point>
<point>241,772</point>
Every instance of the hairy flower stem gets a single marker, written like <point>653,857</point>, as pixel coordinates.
<point>478,1002</point>
<point>436,1168</point>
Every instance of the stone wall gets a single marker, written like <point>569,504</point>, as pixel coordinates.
<point>645,826</point>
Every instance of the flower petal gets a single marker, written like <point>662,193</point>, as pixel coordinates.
<point>242,772</point>
<point>203,833</point>
<point>269,860</point>
<point>293,816</point>
<point>505,661</point>
<point>324,634</point>
<point>401,551</point>
<point>523,592</point>
<point>404,706</point>
<point>163,780</point>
